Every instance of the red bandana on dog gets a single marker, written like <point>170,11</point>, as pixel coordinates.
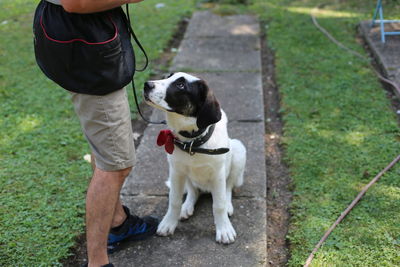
<point>165,137</point>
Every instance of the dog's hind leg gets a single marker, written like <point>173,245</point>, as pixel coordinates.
<point>191,199</point>
<point>238,163</point>
<point>235,178</point>
<point>229,206</point>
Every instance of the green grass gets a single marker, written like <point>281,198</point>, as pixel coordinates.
<point>340,131</point>
<point>43,177</point>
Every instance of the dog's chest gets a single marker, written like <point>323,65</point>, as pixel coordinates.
<point>202,177</point>
<point>201,170</point>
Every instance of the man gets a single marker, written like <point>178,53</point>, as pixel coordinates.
<point>106,123</point>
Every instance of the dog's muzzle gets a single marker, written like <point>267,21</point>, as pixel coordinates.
<point>148,87</point>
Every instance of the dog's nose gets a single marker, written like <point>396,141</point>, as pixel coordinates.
<point>148,86</point>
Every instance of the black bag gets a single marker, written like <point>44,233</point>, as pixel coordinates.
<point>84,53</point>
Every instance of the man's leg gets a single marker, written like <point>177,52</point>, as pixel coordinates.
<point>119,213</point>
<point>102,202</point>
<point>106,123</point>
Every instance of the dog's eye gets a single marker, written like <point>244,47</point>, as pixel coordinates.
<point>180,86</point>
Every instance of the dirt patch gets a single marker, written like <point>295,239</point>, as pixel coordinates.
<point>78,252</point>
<point>279,194</point>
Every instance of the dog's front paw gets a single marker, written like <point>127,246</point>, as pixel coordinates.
<point>167,226</point>
<point>225,234</point>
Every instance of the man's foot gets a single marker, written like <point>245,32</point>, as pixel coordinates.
<point>133,229</point>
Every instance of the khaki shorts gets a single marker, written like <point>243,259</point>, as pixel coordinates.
<point>106,123</point>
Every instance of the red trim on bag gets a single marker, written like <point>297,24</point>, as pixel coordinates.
<point>79,40</point>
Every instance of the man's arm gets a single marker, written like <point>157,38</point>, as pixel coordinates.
<point>91,6</point>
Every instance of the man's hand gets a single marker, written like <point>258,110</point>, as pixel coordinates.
<point>91,6</point>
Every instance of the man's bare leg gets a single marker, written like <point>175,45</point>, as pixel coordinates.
<point>119,213</point>
<point>102,206</point>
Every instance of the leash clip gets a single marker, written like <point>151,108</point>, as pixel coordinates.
<point>190,148</point>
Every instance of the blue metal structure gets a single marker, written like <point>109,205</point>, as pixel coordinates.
<point>382,21</point>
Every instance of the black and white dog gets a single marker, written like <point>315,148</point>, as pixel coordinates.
<point>201,156</point>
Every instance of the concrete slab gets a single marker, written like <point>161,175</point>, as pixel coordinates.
<point>215,43</point>
<point>193,243</point>
<point>218,54</point>
<point>387,54</point>
<point>239,25</point>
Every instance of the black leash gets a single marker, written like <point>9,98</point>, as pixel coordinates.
<point>133,35</point>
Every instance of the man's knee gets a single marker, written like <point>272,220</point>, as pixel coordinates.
<point>125,172</point>
<point>119,175</point>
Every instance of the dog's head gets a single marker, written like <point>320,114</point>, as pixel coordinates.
<point>186,95</point>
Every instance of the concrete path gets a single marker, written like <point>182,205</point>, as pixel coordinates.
<point>387,54</point>
<point>225,51</point>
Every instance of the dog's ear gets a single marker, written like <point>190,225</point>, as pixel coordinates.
<point>209,110</point>
<point>166,76</point>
